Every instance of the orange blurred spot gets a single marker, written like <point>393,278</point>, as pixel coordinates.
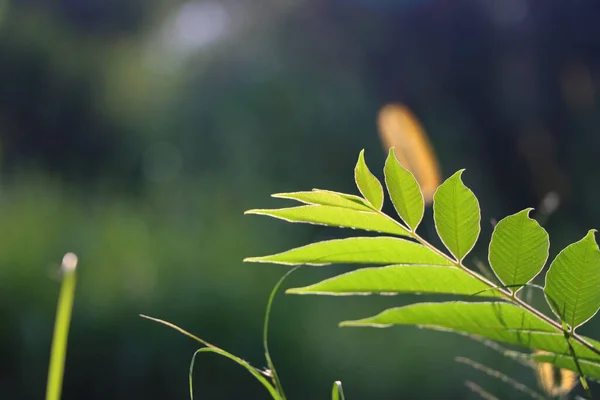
<point>555,382</point>
<point>400,129</point>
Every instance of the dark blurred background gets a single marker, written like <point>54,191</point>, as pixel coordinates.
<point>135,133</point>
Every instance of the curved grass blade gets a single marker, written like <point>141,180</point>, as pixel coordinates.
<point>404,191</point>
<point>214,349</point>
<point>368,185</point>
<point>255,373</point>
<point>457,216</point>
<point>518,249</point>
<point>573,280</point>
<point>336,217</point>
<point>394,279</point>
<point>358,250</point>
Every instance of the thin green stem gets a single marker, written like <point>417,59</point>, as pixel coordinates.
<point>582,380</point>
<point>271,366</point>
<point>61,328</point>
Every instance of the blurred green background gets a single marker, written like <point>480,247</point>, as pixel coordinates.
<point>135,133</point>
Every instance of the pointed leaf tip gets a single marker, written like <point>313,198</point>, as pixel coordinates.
<point>394,279</point>
<point>404,191</point>
<point>572,281</point>
<point>327,198</point>
<point>358,250</point>
<point>498,321</point>
<point>457,215</point>
<point>368,185</point>
<point>518,249</point>
<point>336,217</point>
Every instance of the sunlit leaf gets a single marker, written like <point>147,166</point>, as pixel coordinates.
<point>327,198</point>
<point>336,216</point>
<point>359,250</point>
<point>518,249</point>
<point>573,282</point>
<point>499,321</point>
<point>392,279</point>
<point>457,216</point>
<point>367,183</point>
<point>400,129</point>
<point>404,192</point>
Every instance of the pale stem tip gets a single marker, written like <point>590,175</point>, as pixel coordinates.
<point>69,262</point>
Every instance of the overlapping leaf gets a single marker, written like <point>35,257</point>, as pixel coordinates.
<point>358,250</point>
<point>400,279</point>
<point>404,191</point>
<point>367,183</point>
<point>573,282</point>
<point>499,321</point>
<point>457,216</point>
<point>518,249</point>
<point>336,216</point>
<point>327,198</point>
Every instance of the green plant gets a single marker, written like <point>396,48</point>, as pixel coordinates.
<point>494,310</point>
<point>518,251</point>
<point>267,377</point>
<point>61,327</point>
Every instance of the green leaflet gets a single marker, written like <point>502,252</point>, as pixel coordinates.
<point>457,216</point>
<point>327,198</point>
<point>395,279</point>
<point>499,321</point>
<point>573,282</point>
<point>404,191</point>
<point>359,250</point>
<point>518,249</point>
<point>367,183</point>
<point>591,369</point>
<point>338,217</point>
